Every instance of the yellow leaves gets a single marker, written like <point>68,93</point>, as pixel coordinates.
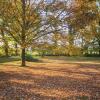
<point>57,36</point>
<point>33,17</point>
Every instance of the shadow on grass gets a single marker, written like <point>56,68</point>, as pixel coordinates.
<point>9,59</point>
<point>65,58</point>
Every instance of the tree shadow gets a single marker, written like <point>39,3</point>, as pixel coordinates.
<point>88,69</point>
<point>73,59</point>
<point>27,85</point>
<point>9,59</point>
<point>42,82</point>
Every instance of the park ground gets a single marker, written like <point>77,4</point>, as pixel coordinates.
<point>52,78</point>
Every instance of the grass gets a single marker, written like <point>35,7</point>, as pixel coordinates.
<point>55,78</point>
<point>9,59</point>
<point>64,59</point>
<point>76,58</point>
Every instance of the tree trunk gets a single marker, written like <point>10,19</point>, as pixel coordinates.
<point>6,49</point>
<point>71,40</point>
<point>99,52</point>
<point>99,48</point>
<point>23,57</point>
<point>16,49</point>
<point>23,32</point>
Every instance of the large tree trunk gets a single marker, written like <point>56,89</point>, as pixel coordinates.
<point>23,57</point>
<point>23,32</point>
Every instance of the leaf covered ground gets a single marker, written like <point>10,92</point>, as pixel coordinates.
<point>50,79</point>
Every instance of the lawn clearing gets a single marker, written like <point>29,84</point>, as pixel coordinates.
<point>54,78</point>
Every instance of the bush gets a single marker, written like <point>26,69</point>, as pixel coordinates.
<point>91,55</point>
<point>30,58</point>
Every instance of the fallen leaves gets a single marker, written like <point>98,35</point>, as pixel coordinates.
<point>50,81</point>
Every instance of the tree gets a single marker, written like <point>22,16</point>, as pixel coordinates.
<point>82,18</point>
<point>27,20</point>
<point>5,42</point>
<point>4,37</point>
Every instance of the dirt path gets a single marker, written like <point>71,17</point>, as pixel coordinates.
<point>50,81</point>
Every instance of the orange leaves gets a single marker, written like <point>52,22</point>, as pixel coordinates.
<point>55,78</point>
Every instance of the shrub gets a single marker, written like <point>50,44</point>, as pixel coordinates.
<point>30,58</point>
<point>91,55</point>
